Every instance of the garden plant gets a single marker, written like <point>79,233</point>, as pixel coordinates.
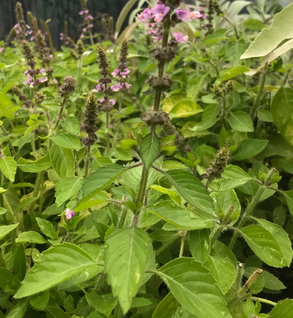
<point>148,172</point>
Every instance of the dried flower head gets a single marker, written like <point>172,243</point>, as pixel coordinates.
<point>90,115</point>
<point>68,87</point>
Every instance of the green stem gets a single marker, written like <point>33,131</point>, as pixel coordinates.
<point>142,189</point>
<point>87,160</point>
<point>107,132</point>
<point>218,229</point>
<point>260,91</point>
<point>36,190</point>
<point>166,245</point>
<point>251,206</point>
<point>263,300</point>
<point>122,218</point>
<point>91,38</point>
<point>60,114</point>
<point>182,243</point>
<point>234,28</point>
<point>33,142</point>
<point>223,113</point>
<point>9,141</point>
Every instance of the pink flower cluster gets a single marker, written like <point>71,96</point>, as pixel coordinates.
<point>64,37</point>
<point>1,49</point>
<point>186,15</point>
<point>31,77</point>
<point>69,214</point>
<point>87,18</point>
<point>180,38</point>
<point>111,101</point>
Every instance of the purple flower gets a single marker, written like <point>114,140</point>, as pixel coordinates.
<point>159,12</point>
<point>82,36</point>
<point>112,101</point>
<point>43,71</point>
<point>115,73</point>
<point>81,12</point>
<point>179,37</point>
<point>89,17</point>
<point>1,49</point>
<point>111,125</point>
<point>145,15</point>
<point>127,85</point>
<point>69,214</point>
<point>43,79</point>
<point>116,88</point>
<point>124,73</point>
<point>102,100</point>
<point>195,15</point>
<point>182,15</point>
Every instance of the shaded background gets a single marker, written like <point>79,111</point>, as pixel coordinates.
<point>59,11</point>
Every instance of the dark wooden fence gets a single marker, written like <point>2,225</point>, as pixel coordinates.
<point>58,11</point>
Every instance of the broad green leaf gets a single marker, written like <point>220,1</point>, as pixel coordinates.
<point>8,167</point>
<point>234,50</point>
<point>231,73</point>
<point>6,229</point>
<point>184,109</point>
<point>269,38</point>
<point>170,102</point>
<point>175,215</point>
<point>194,87</point>
<point>5,104</point>
<point>193,286</point>
<point>46,227</point>
<point>30,237</point>
<point>40,300</point>
<point>192,190</point>
<point>221,250</point>
<point>66,188</point>
<point>149,149</point>
<point>53,267</point>
<point>289,199</point>
<point>282,238</point>
<point>264,115</point>
<point>240,121</point>
<point>60,71</point>
<point>223,272</point>
<point>200,245</point>
<point>101,178</point>
<point>283,309</point>
<point>283,104</point>
<point>125,261</point>
<point>102,303</point>
<point>172,194</point>
<point>264,245</point>
<point>67,141</point>
<point>166,308</point>
<point>18,310</point>
<point>249,148</point>
<point>123,14</point>
<point>233,177</point>
<point>223,201</point>
<point>96,199</point>
<point>62,161</point>
<point>53,310</point>
<point>34,166</point>
<point>6,277</point>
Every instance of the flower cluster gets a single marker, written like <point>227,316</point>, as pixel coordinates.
<point>32,74</point>
<point>65,37</point>
<point>68,87</point>
<point>87,19</point>
<point>108,28</point>
<point>21,28</point>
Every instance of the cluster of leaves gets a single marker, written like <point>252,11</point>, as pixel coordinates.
<point>192,218</point>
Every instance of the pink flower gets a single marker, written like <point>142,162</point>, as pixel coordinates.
<point>179,37</point>
<point>116,88</point>
<point>42,79</point>
<point>159,12</point>
<point>145,15</point>
<point>43,71</point>
<point>84,30</point>
<point>124,73</point>
<point>26,72</point>
<point>82,36</point>
<point>111,125</point>
<point>1,49</point>
<point>89,17</point>
<point>69,214</point>
<point>115,73</point>
<point>81,12</point>
<point>102,100</point>
<point>127,85</point>
<point>195,15</point>
<point>86,11</point>
<point>91,25</point>
<point>112,101</point>
<point>182,15</point>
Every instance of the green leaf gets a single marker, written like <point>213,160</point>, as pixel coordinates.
<point>18,310</point>
<point>223,272</point>
<point>192,190</point>
<point>46,228</point>
<point>193,286</point>
<point>184,109</point>
<point>34,166</point>
<point>283,104</point>
<point>231,73</point>
<point>166,308</point>
<point>264,245</point>
<point>282,238</point>
<point>95,199</point>
<point>234,50</point>
<point>8,167</point>
<point>125,261</point>
<point>53,267</point>
<point>249,148</point>
<point>289,199</point>
<point>233,177</point>
<point>62,161</point>
<point>30,237</point>
<point>19,262</point>
<point>6,229</point>
<point>175,215</point>
<point>283,309</point>
<point>223,202</point>
<point>101,178</point>
<point>264,115</point>
<point>123,14</point>
<point>67,141</point>
<point>53,310</point>
<point>240,121</point>
<point>102,303</point>
<point>5,104</point>
<point>149,149</point>
<point>66,188</point>
<point>60,71</point>
<point>40,300</point>
<point>200,245</point>
<point>194,87</point>
<point>269,38</point>
<point>6,277</point>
